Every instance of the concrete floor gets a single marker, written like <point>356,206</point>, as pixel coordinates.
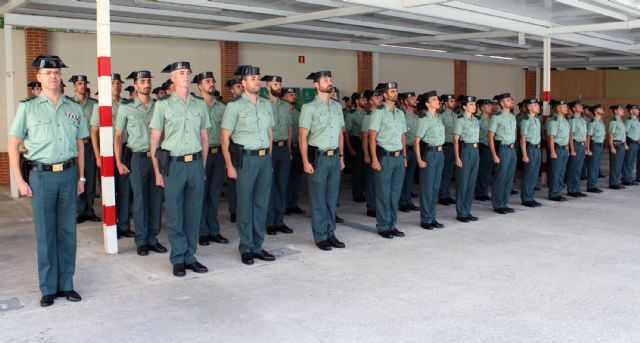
<point>563,272</point>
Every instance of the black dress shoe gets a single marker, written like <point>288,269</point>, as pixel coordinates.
<point>573,194</point>
<point>404,208</point>
<point>287,211</point>
<point>359,199</point>
<point>536,188</point>
<point>443,202</point>
<point>264,256</point>
<point>397,232</point>
<point>70,295</point>
<point>413,207</point>
<point>218,238</point>
<point>126,233</point>
<point>339,220</point>
<point>556,198</point>
<point>197,267</point>
<point>79,219</point>
<point>271,230</point>
<point>514,192</point>
<point>472,218</point>
<point>537,203</point>
<point>335,242</point>
<point>529,203</point>
<point>500,210</point>
<point>247,258</point>
<point>178,270</point>
<point>284,229</point>
<point>509,209</point>
<point>324,245</point>
<point>582,195</point>
<point>414,194</point>
<point>298,210</point>
<point>203,240</point>
<point>594,190</point>
<point>437,225</point>
<point>482,197</point>
<point>232,217</point>
<point>92,217</point>
<point>157,247</point>
<point>426,226</point>
<point>143,250</point>
<point>451,201</point>
<point>627,183</point>
<point>371,213</point>
<point>47,300</point>
<point>462,219</point>
<point>386,234</point>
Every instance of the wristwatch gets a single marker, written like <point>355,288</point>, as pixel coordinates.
<point>83,179</point>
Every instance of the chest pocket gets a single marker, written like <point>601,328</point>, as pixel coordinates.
<point>70,127</point>
<point>247,121</point>
<point>40,130</point>
<point>194,119</point>
<point>137,125</point>
<point>264,120</point>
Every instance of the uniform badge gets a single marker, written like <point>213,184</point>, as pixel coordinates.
<point>72,115</point>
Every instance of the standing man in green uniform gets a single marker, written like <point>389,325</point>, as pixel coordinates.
<point>246,144</point>
<point>85,199</point>
<point>557,132</point>
<point>122,184</point>
<point>632,126</point>
<point>485,166</point>
<point>447,116</point>
<point>617,147</point>
<point>184,120</point>
<point>353,142</point>
<point>501,139</point>
<point>321,147</point>
<point>428,146</point>
<point>236,89</point>
<point>466,133</point>
<point>531,156</point>
<point>214,169</point>
<point>596,134</point>
<point>577,149</point>
<point>295,172</point>
<point>375,99</point>
<point>133,119</point>
<point>36,88</point>
<point>387,148</point>
<point>410,102</point>
<point>52,128</point>
<point>280,156</point>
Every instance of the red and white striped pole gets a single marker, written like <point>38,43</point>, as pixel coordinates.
<point>546,76</point>
<point>110,234</point>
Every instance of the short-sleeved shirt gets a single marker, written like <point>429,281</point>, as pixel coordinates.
<point>559,128</point>
<point>503,124</point>
<point>616,128</point>
<point>530,129</point>
<point>282,120</point>
<point>181,122</point>
<point>390,126</point>
<point>411,118</point>
<point>596,130</point>
<point>134,120</point>
<point>249,123</point>
<point>430,129</point>
<point>467,128</point>
<point>484,128</point>
<point>632,125</point>
<point>87,107</point>
<point>295,125</point>
<point>448,120</point>
<point>365,123</point>
<point>353,122</point>
<point>578,126</point>
<point>324,122</point>
<point>216,111</point>
<point>50,132</point>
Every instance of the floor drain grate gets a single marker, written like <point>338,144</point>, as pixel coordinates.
<point>284,252</point>
<point>10,305</point>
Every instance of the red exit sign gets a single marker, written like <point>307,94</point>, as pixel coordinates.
<point>301,59</point>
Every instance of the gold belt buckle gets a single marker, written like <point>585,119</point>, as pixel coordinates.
<point>439,148</point>
<point>511,145</point>
<point>214,150</point>
<point>330,152</point>
<point>149,154</point>
<point>396,154</point>
<point>57,167</point>
<point>188,158</point>
<point>475,145</point>
<point>262,152</point>
<point>281,144</point>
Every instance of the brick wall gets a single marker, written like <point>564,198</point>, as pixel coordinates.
<point>460,77</point>
<point>530,84</point>
<point>35,44</point>
<point>229,60</point>
<point>365,71</point>
<point>4,168</point>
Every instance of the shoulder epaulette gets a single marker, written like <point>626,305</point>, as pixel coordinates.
<point>71,98</point>
<point>368,112</point>
<point>554,118</point>
<point>460,116</point>
<point>28,98</point>
<point>126,101</point>
<point>497,113</point>
<point>381,106</point>
<point>526,118</point>
<point>165,97</point>
<point>422,115</point>
<point>198,97</point>
<point>236,98</point>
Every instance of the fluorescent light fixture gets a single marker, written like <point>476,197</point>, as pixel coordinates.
<point>496,57</point>
<point>635,4</point>
<point>412,48</point>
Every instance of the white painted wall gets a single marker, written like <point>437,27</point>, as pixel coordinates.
<point>19,81</point>
<point>418,74</point>
<point>484,80</point>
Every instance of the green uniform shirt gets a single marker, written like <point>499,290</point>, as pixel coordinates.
<point>578,126</point>
<point>467,127</point>
<point>87,107</point>
<point>390,126</point>
<point>95,116</point>
<point>484,128</point>
<point>50,132</point>
<point>181,122</point>
<point>295,125</point>
<point>134,120</point>
<point>596,130</point>
<point>430,129</point>
<point>366,119</point>
<point>503,124</point>
<point>216,111</point>
<point>249,123</point>
<point>324,122</point>
<point>353,122</point>
<point>282,120</point>
<point>530,129</point>
<point>559,128</point>
<point>448,120</point>
<point>632,125</point>
<point>411,119</point>
<point>616,128</point>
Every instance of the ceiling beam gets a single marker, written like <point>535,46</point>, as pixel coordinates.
<point>620,25</point>
<point>444,37</point>
<point>414,3</point>
<point>532,51</point>
<point>12,5</point>
<point>326,14</point>
<point>594,9</point>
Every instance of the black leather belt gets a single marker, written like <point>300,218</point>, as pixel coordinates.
<point>631,141</point>
<point>579,143</point>
<point>214,150</point>
<point>280,144</point>
<point>595,143</point>
<point>329,153</point>
<point>187,158</point>
<point>447,143</point>
<point>558,146</point>
<point>537,146</point>
<point>391,153</point>
<point>146,154</point>
<point>617,142</point>
<point>470,145</point>
<point>53,167</point>
<point>510,146</point>
<point>259,152</point>
<point>437,148</point>
<point>86,141</point>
